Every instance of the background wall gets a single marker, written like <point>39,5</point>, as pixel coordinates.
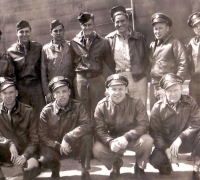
<point>41,12</point>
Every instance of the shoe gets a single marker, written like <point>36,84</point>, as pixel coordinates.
<point>166,169</point>
<point>85,175</point>
<point>115,172</point>
<point>195,176</point>
<point>140,174</point>
<point>55,174</point>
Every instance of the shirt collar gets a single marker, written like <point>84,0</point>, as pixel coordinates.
<point>55,47</point>
<point>16,108</point>
<point>129,34</point>
<point>57,108</point>
<point>164,39</point>
<point>121,104</point>
<point>21,47</point>
<point>183,99</point>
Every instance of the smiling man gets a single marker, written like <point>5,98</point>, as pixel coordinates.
<point>18,132</point>
<point>56,58</point>
<point>167,55</point>
<point>130,53</point>
<point>193,49</point>
<point>64,123</point>
<point>174,126</point>
<point>90,50</point>
<point>121,123</point>
<point>26,58</point>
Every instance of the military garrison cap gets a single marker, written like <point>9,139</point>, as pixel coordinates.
<point>161,18</point>
<point>193,19</point>
<point>55,23</point>
<point>118,10</point>
<point>22,24</point>
<point>58,81</point>
<point>116,79</point>
<point>85,17</point>
<point>6,82</point>
<point>170,79</point>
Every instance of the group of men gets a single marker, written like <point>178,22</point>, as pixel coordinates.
<point>33,134</point>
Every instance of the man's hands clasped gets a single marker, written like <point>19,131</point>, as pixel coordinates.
<point>118,144</point>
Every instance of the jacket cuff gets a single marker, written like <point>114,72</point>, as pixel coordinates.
<point>67,139</point>
<point>164,147</point>
<point>182,136</point>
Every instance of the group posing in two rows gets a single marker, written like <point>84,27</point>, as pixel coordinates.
<point>33,134</point>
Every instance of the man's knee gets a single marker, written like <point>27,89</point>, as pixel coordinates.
<point>158,158</point>
<point>146,141</point>
<point>97,149</point>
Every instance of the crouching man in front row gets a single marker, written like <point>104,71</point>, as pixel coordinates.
<point>121,123</point>
<point>63,123</point>
<point>18,132</point>
<point>174,126</point>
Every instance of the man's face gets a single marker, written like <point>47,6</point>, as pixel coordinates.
<point>87,27</point>
<point>196,29</point>
<point>117,93</point>
<point>121,23</point>
<point>9,95</point>
<point>24,35</point>
<point>58,33</point>
<point>173,93</point>
<point>160,30</point>
<point>61,95</point>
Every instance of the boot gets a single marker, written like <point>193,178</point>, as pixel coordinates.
<point>115,172</point>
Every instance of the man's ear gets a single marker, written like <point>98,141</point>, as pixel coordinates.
<point>16,93</point>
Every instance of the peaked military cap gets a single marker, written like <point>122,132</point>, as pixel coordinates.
<point>161,18</point>
<point>85,17</point>
<point>22,24</point>
<point>118,10</point>
<point>6,82</point>
<point>116,79</point>
<point>58,81</point>
<point>56,23</point>
<point>193,19</point>
<point>170,79</point>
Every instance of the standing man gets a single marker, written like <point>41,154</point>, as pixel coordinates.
<point>90,50</point>
<point>130,53</point>
<point>56,58</point>
<point>194,54</point>
<point>62,123</point>
<point>26,57</point>
<point>121,123</point>
<point>174,126</point>
<point>6,65</point>
<point>167,55</point>
<point>18,132</point>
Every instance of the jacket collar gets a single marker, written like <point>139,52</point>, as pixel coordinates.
<point>79,37</point>
<point>54,47</point>
<point>17,108</point>
<point>133,34</point>
<point>58,108</point>
<point>21,48</point>
<point>183,99</point>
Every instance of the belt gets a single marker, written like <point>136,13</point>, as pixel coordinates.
<point>123,70</point>
<point>89,74</point>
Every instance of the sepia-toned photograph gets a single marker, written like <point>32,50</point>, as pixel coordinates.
<point>99,89</point>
